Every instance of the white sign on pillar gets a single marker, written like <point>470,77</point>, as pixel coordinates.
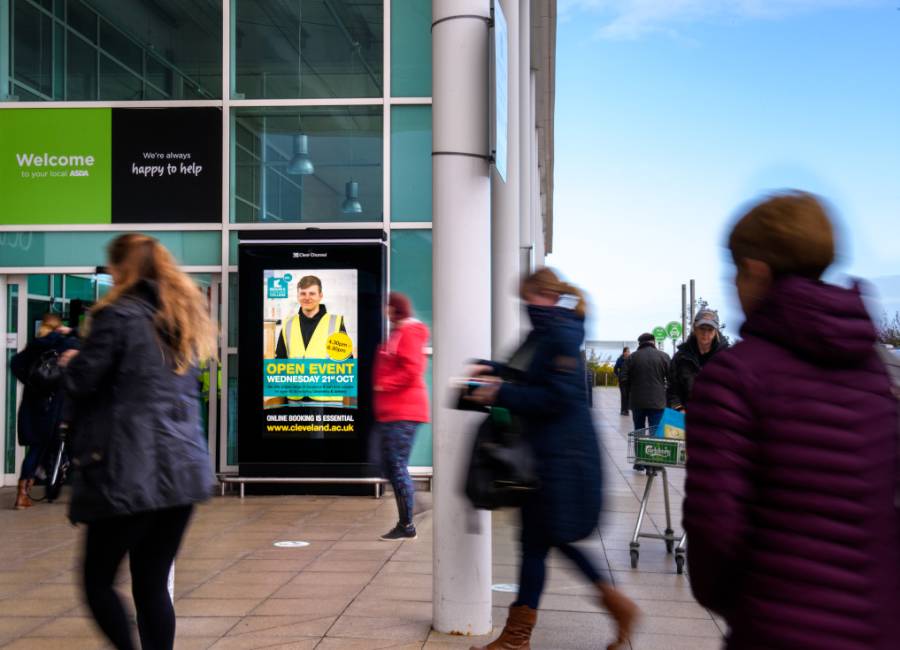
<point>499,89</point>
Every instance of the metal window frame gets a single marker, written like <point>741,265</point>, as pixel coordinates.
<point>225,226</point>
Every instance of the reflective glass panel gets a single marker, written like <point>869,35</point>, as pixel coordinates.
<point>411,48</point>
<point>311,164</point>
<point>411,269</point>
<point>117,50</point>
<point>411,163</point>
<point>17,249</point>
<point>308,48</point>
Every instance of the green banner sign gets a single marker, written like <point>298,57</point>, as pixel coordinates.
<point>56,165</point>
<point>659,333</point>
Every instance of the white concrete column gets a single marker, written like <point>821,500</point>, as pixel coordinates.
<point>537,204</point>
<point>462,303</point>
<point>505,214</point>
<point>526,128</point>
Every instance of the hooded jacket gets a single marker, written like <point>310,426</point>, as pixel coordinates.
<point>137,443</point>
<point>793,529</point>
<point>399,375</point>
<point>550,397</point>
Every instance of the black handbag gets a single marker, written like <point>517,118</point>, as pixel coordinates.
<point>502,469</point>
<point>45,373</point>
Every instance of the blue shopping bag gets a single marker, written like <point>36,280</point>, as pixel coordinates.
<point>671,425</point>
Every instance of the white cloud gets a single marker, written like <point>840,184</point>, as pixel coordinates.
<point>632,19</point>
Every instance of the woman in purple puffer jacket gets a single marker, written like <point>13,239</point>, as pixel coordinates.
<point>792,477</point>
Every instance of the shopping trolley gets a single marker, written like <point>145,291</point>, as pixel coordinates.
<point>655,455</point>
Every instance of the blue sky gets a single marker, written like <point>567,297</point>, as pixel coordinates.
<point>671,114</point>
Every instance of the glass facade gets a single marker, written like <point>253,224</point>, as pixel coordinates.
<point>294,165</point>
<point>410,48</point>
<point>307,141</point>
<point>308,49</point>
<point>106,50</point>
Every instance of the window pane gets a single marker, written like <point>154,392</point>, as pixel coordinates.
<point>120,47</point>
<point>411,269</point>
<point>81,79</point>
<point>411,163</point>
<point>311,164</point>
<point>422,447</point>
<point>116,81</point>
<point>197,248</point>
<point>33,47</point>
<point>83,20</point>
<point>183,39</point>
<point>308,48</point>
<point>411,48</point>
<point>231,456</point>
<point>233,314</point>
<point>12,325</point>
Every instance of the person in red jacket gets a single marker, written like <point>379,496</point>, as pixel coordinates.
<point>401,404</point>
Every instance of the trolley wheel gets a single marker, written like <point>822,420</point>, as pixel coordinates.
<point>679,564</point>
<point>635,555</point>
<point>670,546</point>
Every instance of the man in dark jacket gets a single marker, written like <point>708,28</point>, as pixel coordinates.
<point>692,355</point>
<point>619,372</point>
<point>646,372</point>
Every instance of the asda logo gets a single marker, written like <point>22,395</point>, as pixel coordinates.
<point>47,160</point>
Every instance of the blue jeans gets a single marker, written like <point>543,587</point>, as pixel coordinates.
<point>532,573</point>
<point>34,458</point>
<point>642,416</point>
<point>396,445</point>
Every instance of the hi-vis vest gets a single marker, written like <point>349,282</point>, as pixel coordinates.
<point>296,349</point>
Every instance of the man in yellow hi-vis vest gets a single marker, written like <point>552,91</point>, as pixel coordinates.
<point>305,335</point>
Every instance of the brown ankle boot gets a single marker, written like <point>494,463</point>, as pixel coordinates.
<point>516,633</point>
<point>22,499</point>
<point>623,610</point>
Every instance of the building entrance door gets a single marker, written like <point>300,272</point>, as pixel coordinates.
<point>24,299</point>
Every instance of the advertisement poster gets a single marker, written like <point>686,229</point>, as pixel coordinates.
<point>311,317</point>
<point>110,165</point>
<point>310,358</point>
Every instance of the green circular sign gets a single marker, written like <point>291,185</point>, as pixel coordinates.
<point>659,333</point>
<point>674,329</point>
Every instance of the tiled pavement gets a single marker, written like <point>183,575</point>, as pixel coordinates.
<point>346,590</point>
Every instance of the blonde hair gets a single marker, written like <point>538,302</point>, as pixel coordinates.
<point>181,320</point>
<point>49,322</point>
<point>789,231</point>
<point>545,280</point>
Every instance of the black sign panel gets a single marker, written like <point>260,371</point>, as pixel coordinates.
<point>312,315</point>
<point>166,165</point>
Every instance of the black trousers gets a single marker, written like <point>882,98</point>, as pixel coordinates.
<point>151,540</point>
<point>624,394</point>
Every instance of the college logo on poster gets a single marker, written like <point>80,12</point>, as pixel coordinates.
<point>277,288</point>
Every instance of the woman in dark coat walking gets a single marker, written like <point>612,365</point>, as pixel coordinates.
<point>139,454</point>
<point>551,398</point>
<point>791,496</point>
<point>42,399</point>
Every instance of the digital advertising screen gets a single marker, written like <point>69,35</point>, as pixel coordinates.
<point>311,317</point>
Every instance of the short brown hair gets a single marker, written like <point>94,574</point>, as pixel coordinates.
<point>309,280</point>
<point>790,231</point>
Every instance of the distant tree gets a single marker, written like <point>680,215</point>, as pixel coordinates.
<point>889,330</point>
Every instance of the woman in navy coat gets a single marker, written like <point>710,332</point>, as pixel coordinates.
<point>551,398</point>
